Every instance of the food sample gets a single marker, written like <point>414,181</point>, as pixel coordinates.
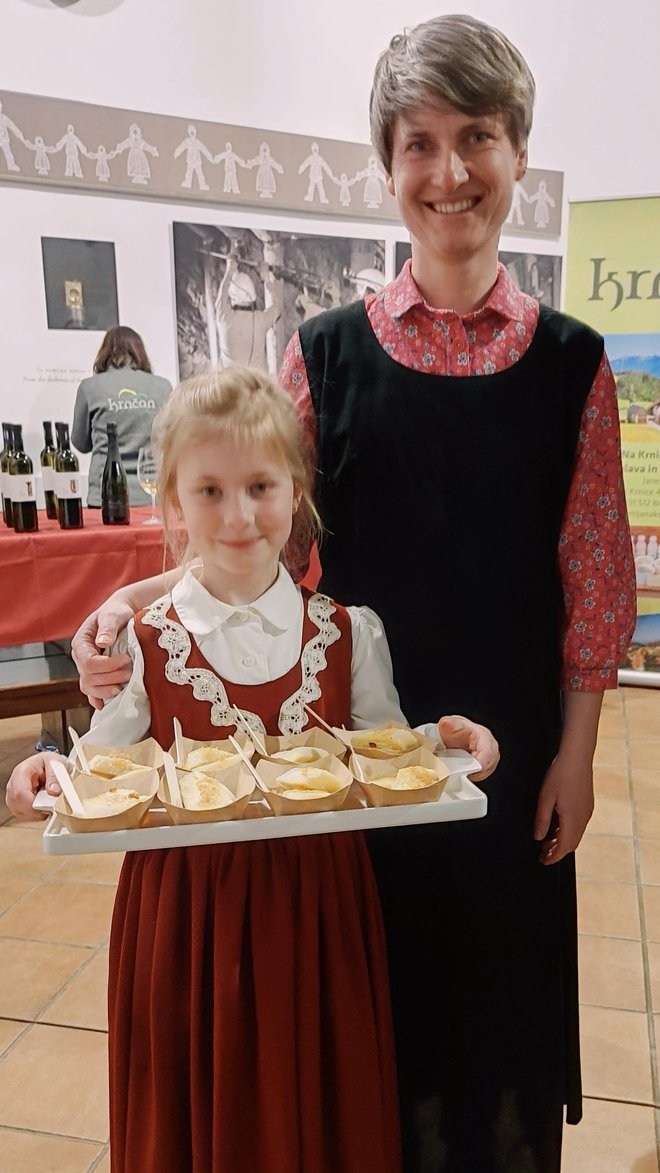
<point>394,741</point>
<point>201,792</point>
<point>208,755</point>
<point>302,792</point>
<point>111,765</point>
<point>111,802</point>
<point>300,754</point>
<point>408,778</point>
<point>316,783</point>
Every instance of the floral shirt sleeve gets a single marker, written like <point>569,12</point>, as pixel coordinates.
<point>595,552</point>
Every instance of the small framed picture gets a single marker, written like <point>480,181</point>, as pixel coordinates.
<point>80,281</point>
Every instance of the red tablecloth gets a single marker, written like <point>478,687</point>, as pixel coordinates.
<point>51,580</point>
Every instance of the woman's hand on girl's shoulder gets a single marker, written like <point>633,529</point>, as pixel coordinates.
<point>462,733</point>
<point>102,677</point>
<point>27,778</point>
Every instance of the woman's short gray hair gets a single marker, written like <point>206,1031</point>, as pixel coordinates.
<point>455,59</point>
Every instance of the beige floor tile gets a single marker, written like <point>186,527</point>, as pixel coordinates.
<point>611,1138</point>
<point>612,816</point>
<point>32,973</point>
<point>21,853</point>
<point>104,1165</point>
<point>649,856</point>
<point>611,973</point>
<point>651,911</point>
<point>615,1055</point>
<point>84,1003</point>
<point>103,868</point>
<point>31,1152</point>
<point>9,1032</point>
<point>654,974</point>
<point>612,724</point>
<point>606,909</point>
<point>606,857</point>
<point>645,753</point>
<point>646,787</point>
<point>71,914</point>
<point>647,819</point>
<point>66,1074</point>
<point>611,753</point>
<point>611,782</point>
<point>13,889</point>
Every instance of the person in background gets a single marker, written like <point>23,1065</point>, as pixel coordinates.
<point>123,390</point>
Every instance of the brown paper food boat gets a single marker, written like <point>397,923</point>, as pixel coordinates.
<point>348,737</point>
<point>236,777</point>
<point>144,781</point>
<point>270,772</point>
<point>188,744</point>
<point>315,738</point>
<point>368,771</point>
<point>143,753</point>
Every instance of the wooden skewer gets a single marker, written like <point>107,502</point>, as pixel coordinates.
<point>324,724</point>
<point>255,737</point>
<point>241,753</point>
<point>77,745</point>
<point>68,789</point>
<point>172,780</point>
<point>178,741</point>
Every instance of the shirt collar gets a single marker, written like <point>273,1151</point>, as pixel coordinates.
<point>402,294</point>
<point>201,613</point>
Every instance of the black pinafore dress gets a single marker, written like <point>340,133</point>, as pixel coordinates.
<point>443,499</point>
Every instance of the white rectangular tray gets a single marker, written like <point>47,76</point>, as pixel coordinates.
<point>460,799</point>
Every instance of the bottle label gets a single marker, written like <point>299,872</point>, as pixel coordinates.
<point>48,478</point>
<point>22,488</point>
<point>66,485</point>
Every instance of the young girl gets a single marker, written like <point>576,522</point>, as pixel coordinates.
<point>249,1009</point>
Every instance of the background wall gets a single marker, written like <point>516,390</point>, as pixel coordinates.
<point>300,65</point>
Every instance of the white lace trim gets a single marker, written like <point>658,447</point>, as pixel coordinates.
<point>206,686</point>
<point>293,718</point>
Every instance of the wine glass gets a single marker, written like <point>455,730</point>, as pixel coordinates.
<point>147,475</point>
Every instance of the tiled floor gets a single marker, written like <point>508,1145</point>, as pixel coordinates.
<point>54,920</point>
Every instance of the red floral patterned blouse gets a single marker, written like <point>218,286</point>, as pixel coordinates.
<point>595,552</point>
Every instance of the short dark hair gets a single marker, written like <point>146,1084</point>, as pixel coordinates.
<point>120,347</point>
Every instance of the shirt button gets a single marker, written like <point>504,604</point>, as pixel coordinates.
<point>248,661</point>
<point>241,617</point>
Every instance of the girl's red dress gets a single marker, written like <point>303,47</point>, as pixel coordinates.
<point>250,1027</point>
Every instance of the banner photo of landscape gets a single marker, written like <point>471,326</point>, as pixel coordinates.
<point>534,273</point>
<point>613,282</point>
<point>241,293</point>
<point>53,142</point>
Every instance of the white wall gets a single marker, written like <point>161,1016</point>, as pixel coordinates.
<point>299,65</point>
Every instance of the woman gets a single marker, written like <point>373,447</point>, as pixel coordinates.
<point>122,390</point>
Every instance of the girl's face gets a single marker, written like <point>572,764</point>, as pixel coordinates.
<point>238,502</point>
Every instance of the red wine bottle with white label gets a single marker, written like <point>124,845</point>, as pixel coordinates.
<point>67,481</point>
<point>22,487</point>
<point>47,462</point>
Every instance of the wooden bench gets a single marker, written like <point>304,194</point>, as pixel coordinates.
<point>40,678</point>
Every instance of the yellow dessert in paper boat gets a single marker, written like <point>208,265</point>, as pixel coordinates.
<point>384,741</point>
<point>110,802</point>
<point>420,782</point>
<point>305,789</point>
<point>300,754</point>
<point>408,778</point>
<point>120,806</point>
<point>200,791</point>
<point>306,783</point>
<point>111,765</point>
<point>209,755</point>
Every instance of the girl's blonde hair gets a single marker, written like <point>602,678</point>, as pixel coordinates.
<point>248,406</point>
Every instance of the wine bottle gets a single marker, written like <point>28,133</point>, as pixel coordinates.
<point>22,488</point>
<point>67,481</point>
<point>47,462</point>
<point>114,486</point>
<point>7,449</point>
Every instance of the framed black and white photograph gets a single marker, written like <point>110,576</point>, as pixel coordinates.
<point>536,274</point>
<point>80,281</point>
<point>241,293</point>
